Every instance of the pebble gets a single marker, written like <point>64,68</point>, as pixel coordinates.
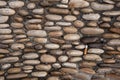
<point>78,3</point>
<point>53,78</point>
<point>33,26</point>
<point>89,39</point>
<point>55,33</point>
<point>69,65</point>
<point>95,50</point>
<point>75,59</point>
<point>43,67</point>
<point>34,21</point>
<point>111,35</point>
<point>98,6</point>
<point>17,25</point>
<point>70,29</point>
<point>31,5</point>
<point>52,46</point>
<point>92,31</point>
<point>58,11</point>
<point>30,56</point>
<point>16,4</point>
<point>17,46</point>
<point>72,37</point>
<point>87,70</point>
<point>74,53</point>
<point>3,3</point>
<point>6,66</point>
<point>14,70</point>
<point>111,13</point>
<point>4,51</point>
<point>69,18</point>
<point>3,19</point>
<point>31,62</point>
<point>16,76</point>
<point>104,70</point>
<point>91,16</point>
<point>53,17</point>
<point>38,11</point>
<point>5,31</point>
<point>47,58</point>
<point>7,11</point>
<point>37,33</point>
<point>39,74</point>
<point>40,40</point>
<point>115,30</point>
<point>69,70</point>
<point>9,59</point>
<point>56,65</point>
<point>63,23</point>
<point>114,42</point>
<point>63,58</point>
<point>78,23</point>
<point>92,57</point>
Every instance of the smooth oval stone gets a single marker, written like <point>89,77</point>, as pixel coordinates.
<point>75,59</point>
<point>74,53</point>
<point>72,37</point>
<point>70,29</point>
<point>14,70</point>
<point>69,18</point>
<point>53,28</point>
<point>17,25</point>
<point>87,64</point>
<point>63,58</point>
<point>47,58</point>
<point>9,59</point>
<point>87,70</point>
<point>58,11</point>
<point>40,40</point>
<point>34,21</point>
<point>31,62</point>
<point>30,56</point>
<point>117,24</point>
<point>111,13</point>
<point>3,3</point>
<point>56,65</point>
<point>37,33</point>
<point>114,42</point>
<point>31,5</point>
<point>5,31</point>
<point>17,76</point>
<point>111,35</point>
<point>3,19</point>
<point>69,65</point>
<point>43,67</point>
<point>38,11</point>
<point>98,6</point>
<point>63,23</point>
<point>39,74</point>
<point>115,30</point>
<point>52,46</point>
<point>55,33</point>
<point>4,25</point>
<point>53,78</point>
<point>95,50</point>
<point>89,39</point>
<point>78,23</point>
<point>91,16</point>
<point>69,70</point>
<point>104,70</point>
<point>16,4</point>
<point>6,66</point>
<point>78,3</point>
<point>92,31</point>
<point>4,51</point>
<point>53,17</point>
<point>92,57</point>
<point>7,11</point>
<point>17,46</point>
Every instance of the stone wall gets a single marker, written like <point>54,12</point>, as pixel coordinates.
<point>59,39</point>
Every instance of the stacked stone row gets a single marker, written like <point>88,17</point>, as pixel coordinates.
<point>60,40</point>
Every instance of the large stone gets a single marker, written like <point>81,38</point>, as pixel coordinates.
<point>114,42</point>
<point>7,11</point>
<point>5,31</point>
<point>39,74</point>
<point>3,3</point>
<point>30,56</point>
<point>16,4</point>
<point>17,76</point>
<point>3,19</point>
<point>9,59</point>
<point>52,46</point>
<point>72,37</point>
<point>91,16</point>
<point>95,50</point>
<point>53,17</point>
<point>74,53</point>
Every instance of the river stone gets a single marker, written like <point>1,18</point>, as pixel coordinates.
<point>43,67</point>
<point>89,39</point>
<point>53,78</point>
<point>74,53</point>
<point>17,76</point>
<point>39,74</point>
<point>115,30</point>
<point>92,57</point>
<point>53,17</point>
<point>7,11</point>
<point>38,11</point>
<point>91,16</point>
<point>31,62</point>
<point>37,33</point>
<point>3,3</point>
<point>31,5</point>
<point>52,46</point>
<point>17,46</point>
<point>40,40</point>
<point>92,31</point>
<point>98,6</point>
<point>78,23</point>
<point>70,18</point>
<point>16,4</point>
<point>47,58</point>
<point>70,29</point>
<point>58,11</point>
<point>69,70</point>
<point>111,35</point>
<point>87,70</point>
<point>69,65</point>
<point>95,50</point>
<point>78,3</point>
<point>5,31</point>
<point>9,59</point>
<point>3,19</point>
<point>30,56</point>
<point>14,70</point>
<point>111,13</point>
<point>72,37</point>
<point>114,42</point>
<point>63,58</point>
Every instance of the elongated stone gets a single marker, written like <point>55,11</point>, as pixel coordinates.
<point>17,46</point>
<point>53,17</point>
<point>69,70</point>
<point>98,6</point>
<point>55,33</point>
<point>30,56</point>
<point>38,11</point>
<point>16,4</point>
<point>63,58</point>
<point>69,18</point>
<point>9,59</point>
<point>43,67</point>
<point>91,16</point>
<point>34,21</point>
<point>70,29</point>
<point>4,51</point>
<point>72,37</point>
<point>52,46</point>
<point>3,19</point>
<point>53,78</point>
<point>40,40</point>
<point>3,3</point>
<point>39,74</point>
<point>37,33</point>
<point>78,3</point>
<point>58,11</point>
<point>17,76</point>
<point>89,39</point>
<point>92,31</point>
<point>114,42</point>
<point>95,50</point>
<point>115,30</point>
<point>111,13</point>
<point>63,23</point>
<point>5,31</point>
<point>111,35</point>
<point>69,65</point>
<point>74,53</point>
<point>7,11</point>
<point>31,62</point>
<point>14,70</point>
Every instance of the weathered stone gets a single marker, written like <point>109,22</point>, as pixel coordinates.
<point>3,3</point>
<point>31,5</point>
<point>114,42</point>
<point>72,37</point>
<point>69,70</point>
<point>38,11</point>
<point>31,62</point>
<point>58,11</point>
<point>16,76</point>
<point>34,21</point>
<point>78,23</point>
<point>30,56</point>
<point>53,17</point>
<point>5,31</point>
<point>89,39</point>
<point>95,50</point>
<point>55,33</point>
<point>69,18</point>
<point>16,4</point>
<point>111,35</point>
<point>75,59</point>
<point>40,40</point>
<point>53,78</point>
<point>70,29</point>
<point>43,67</point>
<point>74,53</point>
<point>17,46</point>
<point>9,59</point>
<point>115,30</point>
<point>14,70</point>
<point>3,19</point>
<point>4,51</point>
<point>87,70</point>
<point>69,65</point>
<point>39,74</point>
<point>91,16</point>
<point>111,13</point>
<point>63,58</point>
<point>63,23</point>
<point>7,11</point>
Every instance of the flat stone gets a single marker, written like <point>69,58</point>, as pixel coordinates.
<point>78,3</point>
<point>79,23</point>
<point>55,33</point>
<point>3,19</point>
<point>31,62</point>
<point>91,16</point>
<point>14,70</point>
<point>111,35</point>
<point>98,6</point>
<point>38,11</point>
<point>16,4</point>
<point>63,58</point>
<point>31,5</point>
<point>43,67</point>
<point>69,70</point>
<point>39,74</point>
<point>87,70</point>
<point>3,3</point>
<point>114,42</point>
<point>92,31</point>
<point>70,18</point>
<point>115,30</point>
<point>89,39</point>
<point>69,65</point>
<point>7,11</point>
<point>17,46</point>
<point>37,33</point>
<point>70,29</point>
<point>5,31</point>
<point>4,51</point>
<point>9,59</point>
<point>74,53</point>
<point>33,26</point>
<point>72,37</point>
<point>111,13</point>
<point>40,40</point>
<point>48,58</point>
<point>52,46</point>
<point>53,78</point>
<point>30,56</point>
<point>16,76</point>
<point>53,17</point>
<point>92,57</point>
<point>58,11</point>
<point>75,59</point>
<point>4,25</point>
<point>104,70</point>
<point>34,21</point>
<point>95,50</point>
<point>63,23</point>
